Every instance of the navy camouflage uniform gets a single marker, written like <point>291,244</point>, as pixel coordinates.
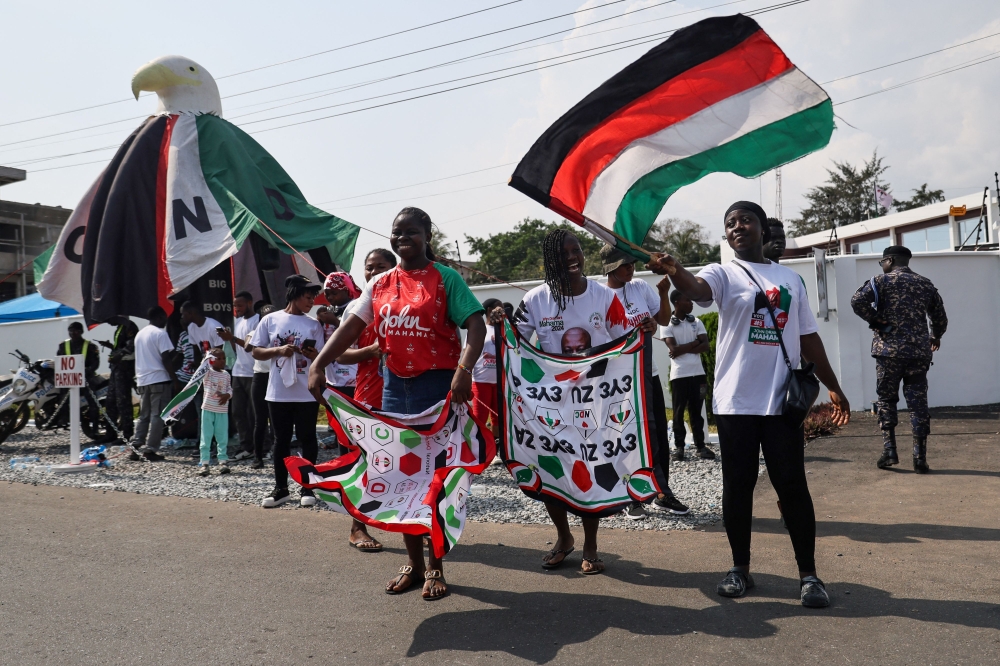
<point>901,345</point>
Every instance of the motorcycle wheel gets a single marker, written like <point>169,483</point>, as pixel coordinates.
<point>23,416</point>
<point>87,426</point>
<point>8,419</point>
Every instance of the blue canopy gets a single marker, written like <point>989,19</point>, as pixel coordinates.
<point>33,306</point>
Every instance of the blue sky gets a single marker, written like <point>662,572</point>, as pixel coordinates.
<point>72,55</point>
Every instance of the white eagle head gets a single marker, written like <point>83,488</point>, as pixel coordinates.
<point>181,84</point>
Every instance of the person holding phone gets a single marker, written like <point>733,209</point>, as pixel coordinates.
<point>287,338</point>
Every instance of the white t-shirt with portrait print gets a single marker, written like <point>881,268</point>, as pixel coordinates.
<point>750,371</point>
<point>640,301</point>
<point>281,328</point>
<point>590,317</point>
<point>243,330</point>
<point>204,337</point>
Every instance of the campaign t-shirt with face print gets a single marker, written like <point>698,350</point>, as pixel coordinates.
<point>281,328</point>
<point>588,320</point>
<point>485,370</point>
<point>750,370</point>
<point>417,314</point>
<point>640,301</point>
<point>205,337</point>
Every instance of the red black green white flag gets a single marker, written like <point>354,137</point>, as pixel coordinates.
<point>717,96</point>
<point>404,473</point>
<point>574,428</point>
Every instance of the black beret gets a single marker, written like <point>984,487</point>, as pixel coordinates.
<point>896,250</point>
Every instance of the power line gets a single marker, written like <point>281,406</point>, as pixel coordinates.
<point>369,41</point>
<point>949,70</point>
<point>898,62</point>
<point>421,196</point>
<point>403,187</point>
<point>284,62</point>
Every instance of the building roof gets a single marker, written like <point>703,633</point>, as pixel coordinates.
<point>973,203</point>
<point>10,175</point>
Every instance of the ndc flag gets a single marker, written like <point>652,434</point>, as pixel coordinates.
<point>404,473</point>
<point>574,428</point>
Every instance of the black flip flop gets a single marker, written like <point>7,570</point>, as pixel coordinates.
<point>553,552</point>
<point>592,572</point>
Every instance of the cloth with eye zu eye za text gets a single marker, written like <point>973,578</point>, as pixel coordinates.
<point>574,429</point>
<point>407,473</point>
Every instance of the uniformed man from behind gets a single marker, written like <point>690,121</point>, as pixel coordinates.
<point>896,306</point>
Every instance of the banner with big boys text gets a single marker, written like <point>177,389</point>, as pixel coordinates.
<point>574,428</point>
<point>403,473</point>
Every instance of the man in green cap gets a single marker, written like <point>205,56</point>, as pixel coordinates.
<point>896,306</point>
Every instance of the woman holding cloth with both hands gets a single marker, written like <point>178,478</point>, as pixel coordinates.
<point>418,307</point>
<point>750,384</point>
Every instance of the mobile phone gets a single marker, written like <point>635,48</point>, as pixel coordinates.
<point>309,344</point>
<point>220,329</point>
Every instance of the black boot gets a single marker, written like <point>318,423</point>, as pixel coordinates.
<point>889,455</point>
<point>920,455</point>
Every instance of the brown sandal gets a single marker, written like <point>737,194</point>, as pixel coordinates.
<point>434,574</point>
<point>405,570</point>
<point>375,546</point>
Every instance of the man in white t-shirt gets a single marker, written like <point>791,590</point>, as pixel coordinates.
<point>241,405</point>
<point>203,332</point>
<point>687,339</point>
<point>153,350</point>
<point>644,308</point>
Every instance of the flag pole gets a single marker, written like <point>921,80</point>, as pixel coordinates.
<point>615,240</point>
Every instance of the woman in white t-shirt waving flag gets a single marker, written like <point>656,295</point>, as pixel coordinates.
<point>570,314</point>
<point>750,383</point>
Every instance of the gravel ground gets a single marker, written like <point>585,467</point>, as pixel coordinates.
<point>495,498</point>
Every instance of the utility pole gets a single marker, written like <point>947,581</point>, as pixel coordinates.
<point>459,249</point>
<point>777,194</point>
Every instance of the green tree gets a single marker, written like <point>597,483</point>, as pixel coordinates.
<point>921,197</point>
<point>686,241</point>
<point>848,196</point>
<point>517,254</point>
<point>440,244</point>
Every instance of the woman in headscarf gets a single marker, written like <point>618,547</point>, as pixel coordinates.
<point>750,383</point>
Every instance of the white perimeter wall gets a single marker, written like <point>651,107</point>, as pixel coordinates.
<point>40,339</point>
<point>966,370</point>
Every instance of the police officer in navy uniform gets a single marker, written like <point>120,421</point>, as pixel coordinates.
<point>896,306</point>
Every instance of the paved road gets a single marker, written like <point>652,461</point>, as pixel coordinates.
<point>911,562</point>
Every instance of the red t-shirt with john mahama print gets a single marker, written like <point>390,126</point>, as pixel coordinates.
<point>368,387</point>
<point>417,314</point>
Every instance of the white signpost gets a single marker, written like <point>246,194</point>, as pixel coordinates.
<point>70,375</point>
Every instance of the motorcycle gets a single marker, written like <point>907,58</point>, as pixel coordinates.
<point>34,386</point>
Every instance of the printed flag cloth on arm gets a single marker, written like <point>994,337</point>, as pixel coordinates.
<point>717,96</point>
<point>174,408</point>
<point>404,473</point>
<point>574,428</point>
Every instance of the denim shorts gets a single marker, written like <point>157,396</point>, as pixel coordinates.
<point>412,395</point>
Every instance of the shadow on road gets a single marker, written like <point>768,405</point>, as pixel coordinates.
<point>891,533</point>
<point>535,625</point>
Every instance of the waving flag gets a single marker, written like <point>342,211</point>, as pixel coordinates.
<point>717,96</point>
<point>574,428</point>
<point>174,408</point>
<point>404,473</point>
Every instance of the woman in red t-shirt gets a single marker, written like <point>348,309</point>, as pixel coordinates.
<point>416,308</point>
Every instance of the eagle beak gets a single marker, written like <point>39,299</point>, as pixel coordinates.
<point>154,78</point>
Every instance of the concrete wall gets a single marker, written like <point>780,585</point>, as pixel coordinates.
<point>40,339</point>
